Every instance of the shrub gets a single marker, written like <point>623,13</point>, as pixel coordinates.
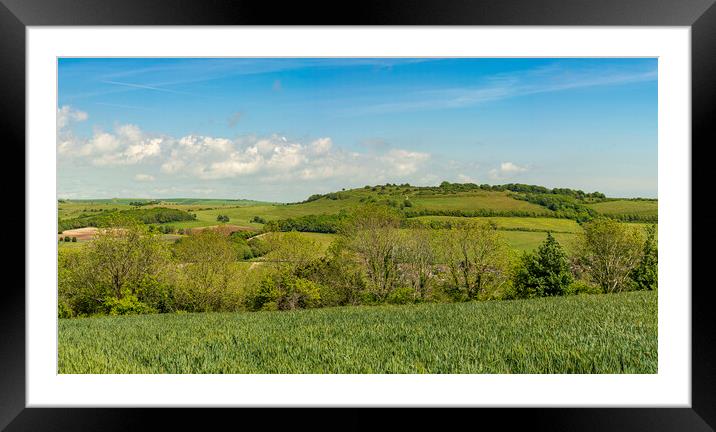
<point>74,239</point>
<point>308,223</point>
<point>608,252</point>
<point>154,293</point>
<point>258,219</point>
<point>646,273</point>
<point>284,292</point>
<point>402,295</point>
<point>476,257</point>
<point>112,265</point>
<point>372,234</point>
<point>544,273</point>
<point>582,287</point>
<point>417,251</point>
<point>64,309</point>
<point>127,305</point>
<point>205,279</point>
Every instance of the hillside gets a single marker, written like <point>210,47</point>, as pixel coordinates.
<point>525,213</point>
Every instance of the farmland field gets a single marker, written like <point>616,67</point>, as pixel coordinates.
<point>500,201</point>
<point>619,207</point>
<point>528,241</point>
<point>614,333</point>
<point>516,223</point>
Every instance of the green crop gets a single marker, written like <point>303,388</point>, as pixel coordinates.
<point>615,333</point>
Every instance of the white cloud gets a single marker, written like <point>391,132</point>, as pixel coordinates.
<point>67,115</point>
<point>65,138</point>
<point>144,178</point>
<point>506,170</point>
<point>321,145</point>
<point>274,158</point>
<point>466,178</point>
<point>404,162</point>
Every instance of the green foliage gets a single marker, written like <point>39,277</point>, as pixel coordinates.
<point>543,273</point>
<point>582,287</point>
<point>522,188</point>
<point>331,196</point>
<point>311,223</point>
<point>339,276</point>
<point>205,280</point>
<point>401,296</point>
<point>646,274</point>
<point>563,205</point>
<point>129,304</point>
<point>114,264</point>
<point>156,215</point>
<point>284,292</point>
<point>482,213</point>
<point>64,309</point>
<point>154,292</point>
<point>608,253</point>
<point>372,234</point>
<point>144,203</point>
<point>379,256</point>
<point>588,334</point>
<point>477,259</point>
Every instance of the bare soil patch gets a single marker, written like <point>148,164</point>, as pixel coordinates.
<point>82,234</point>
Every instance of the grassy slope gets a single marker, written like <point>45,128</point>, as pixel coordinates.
<point>614,333</point>
<point>528,241</point>
<point>75,208</point>
<point>474,201</point>
<point>646,208</point>
<point>541,224</point>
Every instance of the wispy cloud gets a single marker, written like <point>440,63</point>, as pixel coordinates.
<point>144,178</point>
<point>134,107</point>
<point>191,71</point>
<point>144,87</point>
<point>507,85</point>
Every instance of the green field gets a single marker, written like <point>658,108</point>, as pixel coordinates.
<point>528,241</point>
<point>516,223</point>
<point>322,240</point>
<point>500,201</point>
<point>620,207</point>
<point>614,333</point>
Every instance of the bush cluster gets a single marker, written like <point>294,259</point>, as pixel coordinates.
<point>156,215</point>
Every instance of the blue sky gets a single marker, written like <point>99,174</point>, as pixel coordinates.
<point>283,129</point>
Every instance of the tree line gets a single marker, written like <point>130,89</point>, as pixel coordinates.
<point>156,215</point>
<point>127,269</point>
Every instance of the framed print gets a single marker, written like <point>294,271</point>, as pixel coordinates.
<point>435,206</point>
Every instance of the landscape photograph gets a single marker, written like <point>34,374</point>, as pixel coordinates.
<point>357,215</point>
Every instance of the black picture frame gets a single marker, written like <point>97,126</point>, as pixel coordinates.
<point>699,15</point>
